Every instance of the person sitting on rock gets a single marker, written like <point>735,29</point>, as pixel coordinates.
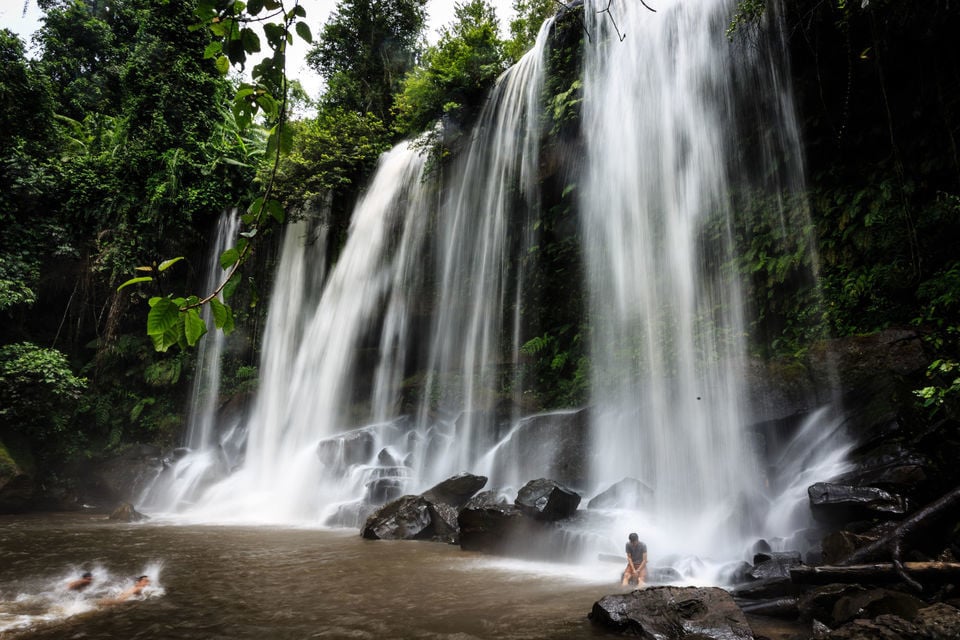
<point>636,571</point>
<point>82,583</point>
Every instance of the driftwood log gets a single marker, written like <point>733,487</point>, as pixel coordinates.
<point>882,572</point>
<point>785,607</point>
<point>893,541</point>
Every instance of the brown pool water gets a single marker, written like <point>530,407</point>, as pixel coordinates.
<point>260,582</point>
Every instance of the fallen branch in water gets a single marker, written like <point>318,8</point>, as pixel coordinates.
<point>879,572</point>
<point>893,541</point>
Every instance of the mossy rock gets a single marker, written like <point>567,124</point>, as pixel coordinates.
<point>17,486</point>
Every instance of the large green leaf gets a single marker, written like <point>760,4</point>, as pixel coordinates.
<point>135,281</point>
<point>304,31</point>
<point>166,264</point>
<point>194,326</point>
<point>164,325</point>
<point>229,258</point>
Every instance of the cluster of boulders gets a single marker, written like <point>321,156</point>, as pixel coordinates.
<point>455,511</point>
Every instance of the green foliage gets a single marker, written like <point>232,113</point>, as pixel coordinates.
<point>945,374</point>
<point>333,152</point>
<point>240,379</point>
<point>563,88</point>
<point>529,15</point>
<point>455,75</point>
<point>748,15</point>
<point>40,391</point>
<point>363,52</point>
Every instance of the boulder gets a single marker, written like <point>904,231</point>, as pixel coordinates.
<point>126,513</point>
<point>839,544</point>
<point>844,503</point>
<point>455,491</point>
<point>889,466</point>
<point>489,524</point>
<point>629,493</point>
<point>347,449</point>
<point>444,520</point>
<point>937,622</point>
<point>870,603</point>
<point>551,445</point>
<point>546,499</point>
<point>770,576</point>
<point>383,490</point>
<point>659,613</point>
<point>818,602</point>
<point>407,518</point>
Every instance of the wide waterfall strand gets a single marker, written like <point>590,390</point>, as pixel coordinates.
<point>668,331</point>
<point>310,356</point>
<point>483,232</point>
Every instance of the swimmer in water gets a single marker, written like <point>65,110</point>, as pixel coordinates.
<point>136,590</point>
<point>82,583</point>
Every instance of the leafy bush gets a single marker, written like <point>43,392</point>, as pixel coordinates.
<point>41,392</point>
<point>456,74</point>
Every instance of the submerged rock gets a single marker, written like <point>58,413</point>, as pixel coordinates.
<point>673,612</point>
<point>126,513</point>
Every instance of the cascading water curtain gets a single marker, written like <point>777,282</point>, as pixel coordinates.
<point>668,320</point>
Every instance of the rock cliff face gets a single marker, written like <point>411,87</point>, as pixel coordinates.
<point>17,486</point>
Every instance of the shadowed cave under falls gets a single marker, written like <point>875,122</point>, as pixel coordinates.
<point>388,374</point>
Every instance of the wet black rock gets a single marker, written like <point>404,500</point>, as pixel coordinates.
<point>350,448</point>
<point>818,602</point>
<point>407,518</point>
<point>546,499</point>
<point>770,576</point>
<point>383,490</point>
<point>444,521</point>
<point>837,545</point>
<point>889,466</point>
<point>673,612</point>
<point>490,524</point>
<point>455,491</point>
<point>937,622</point>
<point>870,603</point>
<point>844,503</point>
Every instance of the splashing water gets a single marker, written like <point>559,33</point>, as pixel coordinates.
<point>45,600</point>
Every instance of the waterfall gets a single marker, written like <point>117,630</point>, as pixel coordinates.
<point>401,366</point>
<point>201,457</point>
<point>662,114</point>
<point>206,382</point>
